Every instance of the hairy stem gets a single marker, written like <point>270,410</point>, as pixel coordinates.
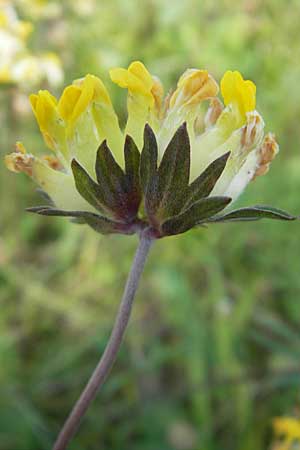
<point>108,358</point>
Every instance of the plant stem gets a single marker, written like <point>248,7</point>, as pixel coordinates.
<point>108,358</point>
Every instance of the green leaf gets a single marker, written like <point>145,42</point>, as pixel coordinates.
<point>87,187</point>
<point>148,171</point>
<point>132,174</point>
<point>203,185</point>
<point>254,213</point>
<point>149,157</point>
<point>121,191</point>
<point>111,179</point>
<point>195,215</point>
<point>174,174</point>
<point>105,226</point>
<point>99,223</point>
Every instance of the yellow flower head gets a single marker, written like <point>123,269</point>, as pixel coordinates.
<point>81,127</point>
<point>238,92</point>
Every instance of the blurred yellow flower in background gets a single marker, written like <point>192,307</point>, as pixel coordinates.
<point>18,65</point>
<point>287,429</point>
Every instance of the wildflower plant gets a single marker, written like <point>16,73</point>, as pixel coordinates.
<point>173,168</point>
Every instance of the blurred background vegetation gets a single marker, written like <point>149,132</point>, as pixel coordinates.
<point>212,353</point>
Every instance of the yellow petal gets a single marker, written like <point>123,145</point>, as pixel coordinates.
<point>143,99</point>
<point>78,97</point>
<point>237,91</point>
<point>136,79</point>
<point>44,108</point>
<point>67,102</point>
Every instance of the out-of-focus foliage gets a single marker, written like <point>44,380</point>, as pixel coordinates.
<point>212,354</point>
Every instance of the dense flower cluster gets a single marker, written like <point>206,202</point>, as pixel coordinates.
<point>173,167</point>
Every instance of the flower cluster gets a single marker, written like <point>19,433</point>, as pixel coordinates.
<point>17,63</point>
<point>172,168</point>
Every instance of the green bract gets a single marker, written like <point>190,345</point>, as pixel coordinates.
<point>157,199</point>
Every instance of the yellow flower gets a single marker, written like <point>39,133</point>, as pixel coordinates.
<point>136,79</point>
<point>288,429</point>
<point>239,93</point>
<point>78,97</point>
<point>144,97</point>
<point>83,117</point>
<point>44,106</point>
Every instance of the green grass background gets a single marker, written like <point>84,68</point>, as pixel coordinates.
<point>212,353</point>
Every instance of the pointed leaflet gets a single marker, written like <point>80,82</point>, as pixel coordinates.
<point>115,184</point>
<point>87,187</point>
<point>37,209</point>
<point>174,174</point>
<point>203,185</point>
<point>98,223</point>
<point>132,174</point>
<point>148,170</point>
<point>254,213</point>
<point>111,180</point>
<point>105,226</point>
<point>196,214</point>
<point>149,156</point>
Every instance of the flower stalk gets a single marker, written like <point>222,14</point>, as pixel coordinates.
<point>109,356</point>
